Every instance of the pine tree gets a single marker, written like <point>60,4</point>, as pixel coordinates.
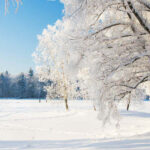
<point>21,86</point>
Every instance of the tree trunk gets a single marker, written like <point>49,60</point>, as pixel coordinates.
<point>128,105</point>
<point>66,103</point>
<point>94,108</point>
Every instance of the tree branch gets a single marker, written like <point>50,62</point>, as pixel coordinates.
<point>140,20</point>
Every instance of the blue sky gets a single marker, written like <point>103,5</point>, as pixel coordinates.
<point>18,32</point>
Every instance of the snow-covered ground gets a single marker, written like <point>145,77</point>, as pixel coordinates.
<point>29,125</point>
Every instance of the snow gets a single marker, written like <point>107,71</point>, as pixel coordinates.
<point>30,125</point>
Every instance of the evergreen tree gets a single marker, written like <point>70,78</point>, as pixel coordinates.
<point>21,86</point>
<point>7,84</point>
<point>31,73</point>
<point>2,85</point>
<point>31,84</point>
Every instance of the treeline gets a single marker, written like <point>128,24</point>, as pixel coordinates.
<point>21,86</point>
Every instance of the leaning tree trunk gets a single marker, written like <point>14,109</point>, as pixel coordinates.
<point>128,104</point>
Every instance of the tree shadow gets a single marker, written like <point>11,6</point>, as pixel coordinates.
<point>83,144</point>
<point>135,114</point>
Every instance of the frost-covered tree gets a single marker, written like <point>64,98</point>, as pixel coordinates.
<point>5,84</point>
<point>113,42</point>
<point>53,57</point>
<point>108,47</point>
<point>21,86</point>
<point>31,84</point>
<point>7,4</point>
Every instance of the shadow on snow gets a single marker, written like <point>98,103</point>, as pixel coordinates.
<point>135,114</point>
<point>102,144</point>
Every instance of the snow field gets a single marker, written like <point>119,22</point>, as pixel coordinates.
<point>44,126</point>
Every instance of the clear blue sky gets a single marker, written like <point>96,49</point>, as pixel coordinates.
<point>18,32</point>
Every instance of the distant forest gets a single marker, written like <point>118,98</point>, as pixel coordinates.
<point>21,86</point>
